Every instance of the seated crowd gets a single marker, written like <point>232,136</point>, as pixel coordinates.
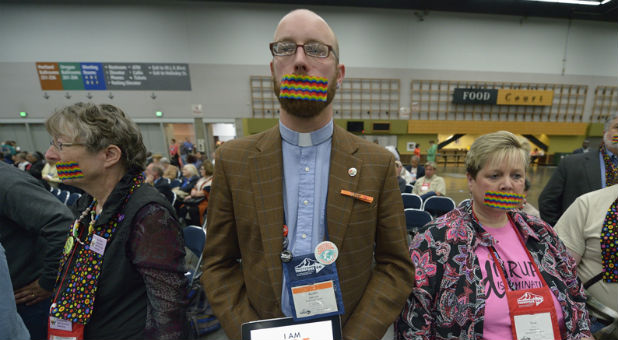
<point>470,263</point>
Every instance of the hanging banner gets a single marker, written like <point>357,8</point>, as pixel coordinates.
<point>113,76</point>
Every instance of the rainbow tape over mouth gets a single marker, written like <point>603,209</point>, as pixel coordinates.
<point>503,200</point>
<point>69,170</point>
<point>615,139</point>
<point>295,86</point>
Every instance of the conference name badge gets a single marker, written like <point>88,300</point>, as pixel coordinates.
<point>59,329</point>
<point>313,288</point>
<point>314,299</point>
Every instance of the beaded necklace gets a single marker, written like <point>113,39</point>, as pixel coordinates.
<point>75,300</point>
<point>73,235</point>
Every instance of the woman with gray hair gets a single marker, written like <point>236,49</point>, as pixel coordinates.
<point>121,275</point>
<point>465,259</point>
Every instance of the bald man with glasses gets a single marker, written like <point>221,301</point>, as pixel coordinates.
<point>283,196</point>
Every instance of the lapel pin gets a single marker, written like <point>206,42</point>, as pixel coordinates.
<point>326,252</point>
<point>352,172</point>
<point>364,198</point>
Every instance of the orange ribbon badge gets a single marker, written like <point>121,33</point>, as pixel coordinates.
<point>364,198</point>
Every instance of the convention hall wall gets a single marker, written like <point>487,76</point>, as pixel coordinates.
<point>225,44</point>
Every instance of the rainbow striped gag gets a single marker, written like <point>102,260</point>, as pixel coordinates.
<point>69,170</point>
<point>615,139</point>
<point>503,200</point>
<point>297,86</point>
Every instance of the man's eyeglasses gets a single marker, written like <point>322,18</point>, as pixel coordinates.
<point>312,49</point>
<point>60,145</point>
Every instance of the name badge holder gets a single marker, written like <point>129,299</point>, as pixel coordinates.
<point>313,286</point>
<point>59,329</point>
<point>532,311</point>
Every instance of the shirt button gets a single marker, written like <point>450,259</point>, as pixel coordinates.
<point>307,169</point>
<point>304,236</point>
<point>305,202</point>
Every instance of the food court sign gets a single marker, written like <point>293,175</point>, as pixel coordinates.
<point>503,97</point>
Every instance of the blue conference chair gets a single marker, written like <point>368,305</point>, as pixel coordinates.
<point>195,239</point>
<point>63,196</point>
<point>73,197</point>
<point>415,219</point>
<point>463,202</point>
<point>199,313</point>
<point>438,205</point>
<point>412,201</point>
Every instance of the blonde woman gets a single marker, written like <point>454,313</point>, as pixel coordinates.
<point>465,259</point>
<point>189,179</point>
<point>196,203</point>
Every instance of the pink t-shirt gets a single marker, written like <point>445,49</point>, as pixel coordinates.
<point>519,270</point>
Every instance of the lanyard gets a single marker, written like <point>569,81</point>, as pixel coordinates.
<point>286,254</point>
<point>500,264</point>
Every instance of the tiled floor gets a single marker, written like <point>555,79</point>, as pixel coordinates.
<point>457,189</point>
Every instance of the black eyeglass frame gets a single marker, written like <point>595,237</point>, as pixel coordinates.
<point>330,49</point>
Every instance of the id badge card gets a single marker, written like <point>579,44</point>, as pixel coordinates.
<point>59,329</point>
<point>533,315</point>
<point>313,287</point>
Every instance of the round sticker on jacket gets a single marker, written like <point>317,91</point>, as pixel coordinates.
<point>326,252</point>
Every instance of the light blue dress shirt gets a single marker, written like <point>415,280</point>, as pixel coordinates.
<point>612,157</point>
<point>306,163</point>
<point>11,324</point>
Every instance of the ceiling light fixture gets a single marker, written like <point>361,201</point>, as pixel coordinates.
<point>576,2</point>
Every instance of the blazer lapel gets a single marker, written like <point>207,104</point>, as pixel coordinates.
<point>342,163</point>
<point>266,168</point>
<point>593,170</point>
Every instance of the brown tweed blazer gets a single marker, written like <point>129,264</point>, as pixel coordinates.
<point>245,219</point>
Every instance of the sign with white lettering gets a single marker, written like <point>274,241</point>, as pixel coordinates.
<point>113,76</point>
<point>125,76</point>
<point>475,96</point>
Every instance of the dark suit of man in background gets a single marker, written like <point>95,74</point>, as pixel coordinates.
<point>585,147</point>
<point>154,176</point>
<point>246,210</point>
<point>576,175</point>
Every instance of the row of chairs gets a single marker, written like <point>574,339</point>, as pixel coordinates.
<point>65,196</point>
<point>435,205</point>
<point>419,213</point>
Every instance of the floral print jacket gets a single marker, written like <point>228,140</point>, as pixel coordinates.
<point>448,300</point>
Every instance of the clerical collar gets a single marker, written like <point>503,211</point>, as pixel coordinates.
<point>306,139</point>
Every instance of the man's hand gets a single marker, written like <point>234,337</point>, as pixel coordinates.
<point>31,294</point>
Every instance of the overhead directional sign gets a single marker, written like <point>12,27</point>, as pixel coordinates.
<point>113,76</point>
